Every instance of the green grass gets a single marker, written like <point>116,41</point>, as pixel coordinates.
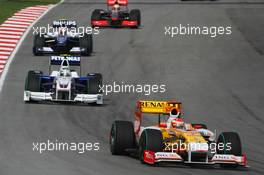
<point>9,7</point>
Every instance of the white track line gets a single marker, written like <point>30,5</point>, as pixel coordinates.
<point>6,48</point>
<point>8,45</point>
<point>30,13</point>
<point>5,53</point>
<point>23,17</point>
<point>17,22</point>
<point>9,36</point>
<point>3,57</point>
<point>9,40</point>
<point>10,32</point>
<point>11,58</point>
<point>13,25</point>
<point>34,11</point>
<point>38,8</point>
<point>13,29</point>
<point>20,20</point>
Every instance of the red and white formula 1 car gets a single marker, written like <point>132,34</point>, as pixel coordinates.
<point>117,14</point>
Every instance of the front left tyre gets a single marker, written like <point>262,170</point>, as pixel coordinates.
<point>151,140</point>
<point>135,15</point>
<point>96,16</point>
<point>94,83</point>
<point>39,43</point>
<point>122,137</point>
<point>86,44</point>
<point>234,148</point>
<point>33,81</point>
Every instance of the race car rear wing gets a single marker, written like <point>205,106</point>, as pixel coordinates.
<point>119,2</point>
<point>111,3</point>
<point>154,107</point>
<point>158,107</point>
<point>64,23</point>
<point>59,60</point>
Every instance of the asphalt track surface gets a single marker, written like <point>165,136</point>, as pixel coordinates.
<point>219,81</point>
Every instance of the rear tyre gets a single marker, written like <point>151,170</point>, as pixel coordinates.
<point>233,139</point>
<point>39,42</point>
<point>151,140</point>
<point>86,43</point>
<point>33,81</point>
<point>122,137</point>
<point>135,15</point>
<point>94,83</point>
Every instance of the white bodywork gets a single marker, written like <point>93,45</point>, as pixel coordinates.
<point>62,83</point>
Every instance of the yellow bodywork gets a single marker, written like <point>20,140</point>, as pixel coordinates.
<point>174,136</point>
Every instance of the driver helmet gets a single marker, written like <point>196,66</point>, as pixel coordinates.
<point>177,123</point>
<point>175,120</point>
<point>65,72</point>
<point>174,113</point>
<point>62,31</point>
<point>116,7</point>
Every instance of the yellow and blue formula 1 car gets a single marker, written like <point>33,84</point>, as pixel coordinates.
<point>172,140</point>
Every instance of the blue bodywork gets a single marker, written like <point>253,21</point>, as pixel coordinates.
<point>47,81</point>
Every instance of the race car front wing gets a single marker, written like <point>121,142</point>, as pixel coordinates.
<point>107,23</point>
<point>151,157</point>
<point>44,96</point>
<point>49,50</point>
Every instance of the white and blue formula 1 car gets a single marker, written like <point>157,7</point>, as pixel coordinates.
<point>63,85</point>
<point>63,39</point>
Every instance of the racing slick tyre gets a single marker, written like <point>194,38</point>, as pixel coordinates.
<point>235,144</point>
<point>96,14</point>
<point>151,140</point>
<point>122,137</point>
<point>94,83</point>
<point>86,43</point>
<point>33,81</point>
<point>199,126</point>
<point>39,42</point>
<point>135,16</point>
<point>91,42</point>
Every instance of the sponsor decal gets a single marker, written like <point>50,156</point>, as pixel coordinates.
<point>149,157</point>
<point>64,22</point>
<point>149,104</point>
<point>164,155</point>
<point>225,157</point>
<point>69,58</point>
